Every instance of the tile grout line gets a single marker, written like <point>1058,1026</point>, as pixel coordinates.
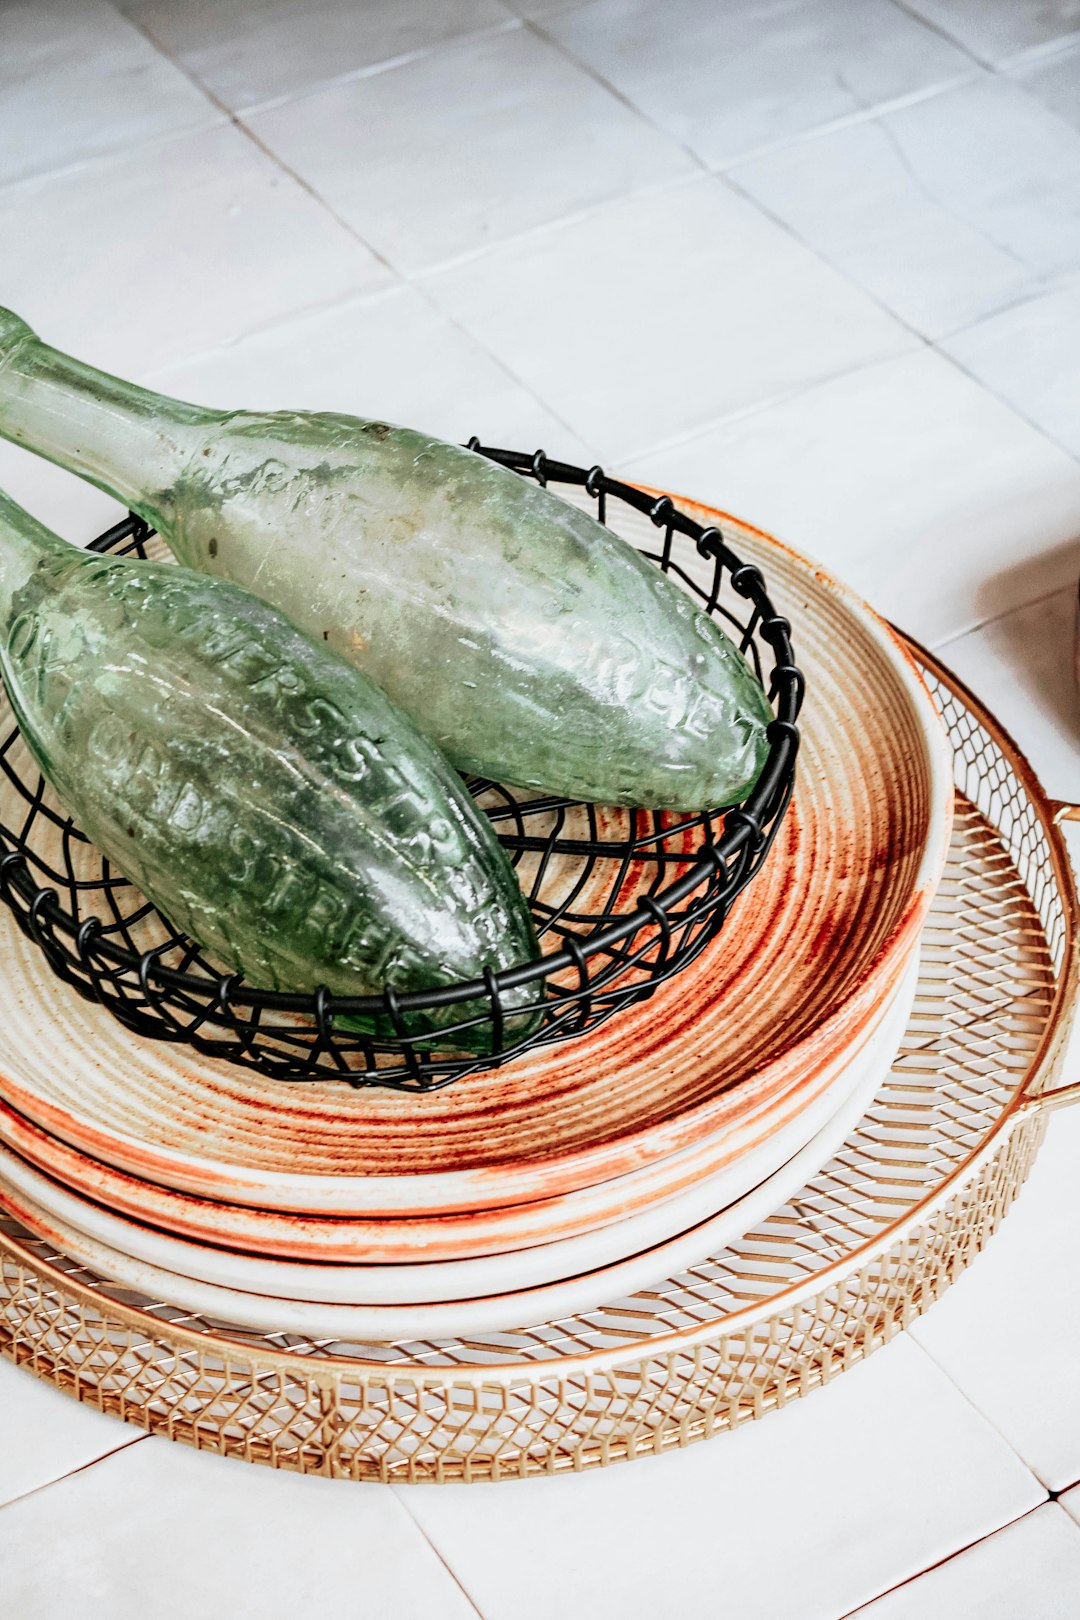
<point>926,343</point>
<point>373,70</point>
<point>541,33</point>
<point>574,216</point>
<point>984,1417</point>
<point>399,280</point>
<point>911,98</point>
<point>560,8</point>
<point>744,413</point>
<point>454,1576</point>
<point>119,154</point>
<point>1009,69</point>
<point>722,171</point>
<point>369,71</point>
<point>496,359</point>
<point>1013,77</point>
<point>1062,282</point>
<point>619,465</point>
<point>299,312</point>
<point>852,1614</point>
<point>1014,410</point>
<point>72,1473</point>
<point>1062,46</point>
<point>1051,50</point>
<point>1005,66</point>
<point>725,173</point>
<point>727,179</point>
<point>270,327</point>
<point>865,115</point>
<point>306,186</point>
<point>327,306</point>
<point>942,33</point>
<point>995,618</point>
<point>238,124</point>
<point>400,286</point>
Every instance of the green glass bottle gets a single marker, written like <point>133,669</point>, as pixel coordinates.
<point>262,792</point>
<point>523,637</point>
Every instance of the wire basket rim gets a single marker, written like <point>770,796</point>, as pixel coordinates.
<point>749,826</point>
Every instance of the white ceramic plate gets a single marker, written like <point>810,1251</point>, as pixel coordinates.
<point>599,1216</point>
<point>430,1282</point>
<point>455,1318</point>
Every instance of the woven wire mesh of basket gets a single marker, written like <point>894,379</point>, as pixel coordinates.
<point>622,899</point>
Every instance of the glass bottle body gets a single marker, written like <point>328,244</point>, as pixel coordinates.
<point>269,800</point>
<point>524,638</point>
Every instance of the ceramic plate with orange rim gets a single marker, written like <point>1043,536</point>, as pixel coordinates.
<point>307,1304</point>
<point>613,1214</point>
<point>799,974</point>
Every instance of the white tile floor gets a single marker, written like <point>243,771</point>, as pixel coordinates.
<point>115,89</point>
<point>1028,1571</point>
<point>654,314</point>
<point>246,52</point>
<point>995,30</point>
<point>728,78</point>
<point>1054,80</point>
<point>929,494</point>
<point>44,1439</point>
<point>806,1517</point>
<point>163,1532</point>
<point>819,262</point>
<point>443,136</point>
<point>1028,356</point>
<point>945,210</point>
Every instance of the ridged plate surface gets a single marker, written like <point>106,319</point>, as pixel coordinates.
<point>604,1215</point>
<point>334,1301</point>
<point>208,1258</point>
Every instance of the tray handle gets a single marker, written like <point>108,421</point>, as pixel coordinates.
<point>1060,1096</point>
<point>1057,1097</point>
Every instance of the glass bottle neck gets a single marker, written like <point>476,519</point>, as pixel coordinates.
<point>130,442</point>
<point>24,545</point>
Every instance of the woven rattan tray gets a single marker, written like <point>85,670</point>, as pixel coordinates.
<point>857,1254</point>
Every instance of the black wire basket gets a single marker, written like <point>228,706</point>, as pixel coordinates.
<point>622,899</point>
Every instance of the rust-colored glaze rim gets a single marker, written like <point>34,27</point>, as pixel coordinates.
<point>276,1298</point>
<point>611,1217</point>
<point>795,981</point>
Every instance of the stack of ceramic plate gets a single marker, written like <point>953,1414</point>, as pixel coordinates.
<point>573,1176</point>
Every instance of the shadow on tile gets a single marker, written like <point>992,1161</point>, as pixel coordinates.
<point>1028,579</point>
<point>1050,681</point>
